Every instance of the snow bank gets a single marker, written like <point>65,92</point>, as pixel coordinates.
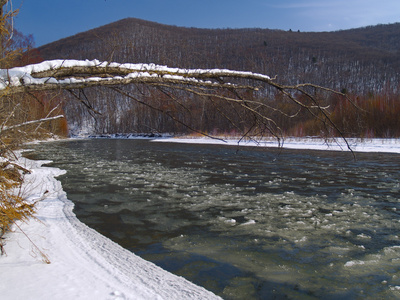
<point>357,145</point>
<point>84,264</point>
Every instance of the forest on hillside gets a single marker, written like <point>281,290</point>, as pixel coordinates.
<point>364,63</point>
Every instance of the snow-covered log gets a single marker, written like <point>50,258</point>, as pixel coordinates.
<point>71,74</point>
<point>80,74</point>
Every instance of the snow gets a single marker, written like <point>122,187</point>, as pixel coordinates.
<point>24,75</point>
<point>83,263</point>
<point>86,265</point>
<point>307,143</point>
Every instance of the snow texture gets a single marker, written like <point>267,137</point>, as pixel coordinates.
<point>23,75</point>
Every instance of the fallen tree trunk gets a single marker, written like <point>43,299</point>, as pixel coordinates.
<point>79,74</point>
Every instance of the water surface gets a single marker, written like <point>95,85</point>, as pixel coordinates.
<point>245,223</point>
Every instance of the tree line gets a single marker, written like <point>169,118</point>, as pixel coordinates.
<point>363,63</point>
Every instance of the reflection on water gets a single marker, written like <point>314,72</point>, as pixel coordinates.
<point>245,223</point>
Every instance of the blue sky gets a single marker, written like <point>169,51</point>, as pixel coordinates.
<point>50,20</point>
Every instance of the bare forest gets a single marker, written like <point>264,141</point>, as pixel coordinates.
<point>340,83</point>
<point>362,63</point>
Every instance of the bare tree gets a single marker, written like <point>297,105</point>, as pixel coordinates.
<point>247,91</point>
<point>242,99</point>
<point>246,95</point>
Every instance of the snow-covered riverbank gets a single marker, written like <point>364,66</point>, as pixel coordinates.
<point>356,145</point>
<point>86,265</point>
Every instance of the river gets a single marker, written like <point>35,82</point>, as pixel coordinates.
<point>244,222</point>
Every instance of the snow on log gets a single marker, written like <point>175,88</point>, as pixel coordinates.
<point>69,74</point>
<point>79,74</point>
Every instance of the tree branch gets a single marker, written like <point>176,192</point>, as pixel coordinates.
<point>6,128</point>
<point>75,74</point>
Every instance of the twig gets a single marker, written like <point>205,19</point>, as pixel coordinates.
<point>45,259</point>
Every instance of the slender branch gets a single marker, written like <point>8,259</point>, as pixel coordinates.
<point>74,74</point>
<point>86,103</point>
<point>6,128</point>
<point>10,115</point>
<point>164,112</point>
<point>47,116</point>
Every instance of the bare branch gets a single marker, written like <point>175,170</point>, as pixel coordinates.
<point>209,83</point>
<point>6,128</point>
<point>164,112</point>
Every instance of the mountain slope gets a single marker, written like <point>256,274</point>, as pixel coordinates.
<point>361,59</point>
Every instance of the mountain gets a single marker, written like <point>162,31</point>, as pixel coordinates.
<point>364,62</point>
<point>361,60</point>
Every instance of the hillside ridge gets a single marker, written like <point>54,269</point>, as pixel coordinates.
<point>383,37</point>
<point>367,31</point>
<point>362,61</point>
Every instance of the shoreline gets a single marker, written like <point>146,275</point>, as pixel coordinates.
<point>379,145</point>
<point>391,145</point>
<point>87,265</point>
<point>83,263</point>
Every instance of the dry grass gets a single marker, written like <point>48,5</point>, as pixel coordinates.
<point>17,110</point>
<point>12,204</point>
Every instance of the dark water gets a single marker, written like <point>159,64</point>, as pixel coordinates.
<point>245,223</point>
